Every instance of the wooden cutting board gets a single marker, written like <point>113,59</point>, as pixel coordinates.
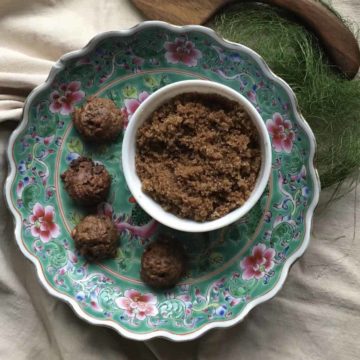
<point>338,41</point>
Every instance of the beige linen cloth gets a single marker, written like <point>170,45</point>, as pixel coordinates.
<point>316,316</point>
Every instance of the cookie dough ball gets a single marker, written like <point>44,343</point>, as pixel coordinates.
<point>163,263</point>
<point>99,120</point>
<point>96,237</point>
<point>86,182</point>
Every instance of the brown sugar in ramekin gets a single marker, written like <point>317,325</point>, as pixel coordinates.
<point>198,156</point>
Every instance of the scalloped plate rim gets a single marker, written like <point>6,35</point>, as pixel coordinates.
<point>58,67</point>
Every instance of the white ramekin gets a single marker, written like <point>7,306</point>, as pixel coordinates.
<point>129,151</point>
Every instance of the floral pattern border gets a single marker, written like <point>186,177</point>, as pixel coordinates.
<point>187,308</point>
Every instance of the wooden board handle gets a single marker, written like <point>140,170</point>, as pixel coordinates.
<point>338,41</point>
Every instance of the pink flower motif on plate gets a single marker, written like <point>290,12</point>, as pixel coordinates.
<point>131,105</point>
<point>258,263</point>
<point>252,96</point>
<point>182,51</point>
<point>63,100</point>
<point>138,305</point>
<point>42,223</point>
<point>138,61</point>
<point>282,134</point>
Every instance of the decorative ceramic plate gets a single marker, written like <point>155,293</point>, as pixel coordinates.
<point>231,270</point>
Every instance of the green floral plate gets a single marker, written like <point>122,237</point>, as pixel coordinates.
<point>231,270</point>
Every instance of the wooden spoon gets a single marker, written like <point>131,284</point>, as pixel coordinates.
<point>338,41</point>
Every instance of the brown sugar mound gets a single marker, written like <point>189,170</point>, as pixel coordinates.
<point>198,156</point>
